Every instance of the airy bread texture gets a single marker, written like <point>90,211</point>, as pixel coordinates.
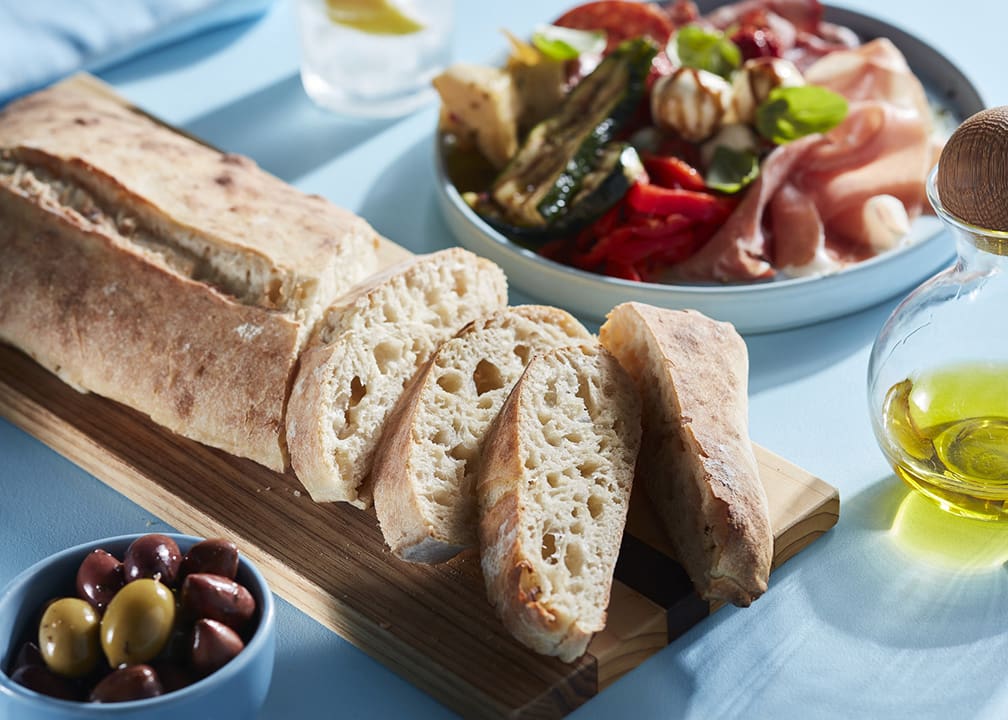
<point>426,464</point>
<point>553,494</point>
<point>365,351</point>
<point>161,273</point>
<point>697,460</point>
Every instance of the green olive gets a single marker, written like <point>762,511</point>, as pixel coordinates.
<point>68,637</point>
<point>137,622</point>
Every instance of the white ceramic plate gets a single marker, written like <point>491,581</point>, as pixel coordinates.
<point>756,307</point>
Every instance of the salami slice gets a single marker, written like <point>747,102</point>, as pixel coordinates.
<point>621,20</point>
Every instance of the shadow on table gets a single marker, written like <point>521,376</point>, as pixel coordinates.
<point>175,54</point>
<point>916,577</point>
<point>897,612</point>
<point>258,125</point>
<point>781,357</point>
<point>407,184</point>
<point>318,674</point>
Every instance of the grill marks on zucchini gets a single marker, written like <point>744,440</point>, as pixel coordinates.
<point>567,157</point>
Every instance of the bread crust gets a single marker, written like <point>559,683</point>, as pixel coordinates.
<point>176,279</point>
<point>408,529</point>
<point>344,345</point>
<point>511,569</point>
<point>404,524</point>
<point>134,332</point>
<point>135,162</point>
<point>697,461</point>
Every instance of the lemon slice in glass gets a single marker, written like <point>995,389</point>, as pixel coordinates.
<point>376,17</point>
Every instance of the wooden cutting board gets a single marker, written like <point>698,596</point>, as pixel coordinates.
<point>431,624</point>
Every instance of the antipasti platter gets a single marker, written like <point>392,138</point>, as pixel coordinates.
<point>768,303</point>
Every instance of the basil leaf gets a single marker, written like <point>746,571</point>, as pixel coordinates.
<point>789,113</point>
<point>731,170</point>
<point>560,43</point>
<point>706,50</point>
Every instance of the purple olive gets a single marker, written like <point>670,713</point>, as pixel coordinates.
<point>28,654</point>
<point>214,645</point>
<point>174,676</point>
<point>133,682</point>
<point>217,598</point>
<point>153,556</point>
<point>99,578</point>
<point>215,556</point>
<point>44,681</point>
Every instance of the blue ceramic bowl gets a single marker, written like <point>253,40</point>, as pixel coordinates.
<point>236,691</point>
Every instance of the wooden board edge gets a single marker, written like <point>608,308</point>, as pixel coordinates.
<point>636,628</point>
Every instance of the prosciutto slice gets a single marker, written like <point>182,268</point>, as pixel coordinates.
<point>738,250</point>
<point>879,154</point>
<point>826,200</point>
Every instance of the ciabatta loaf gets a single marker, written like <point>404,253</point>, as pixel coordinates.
<point>368,346</point>
<point>553,492</point>
<point>140,265</point>
<point>697,460</point>
<point>426,464</point>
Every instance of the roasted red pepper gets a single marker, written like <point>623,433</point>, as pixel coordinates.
<point>656,200</point>
<point>672,172</point>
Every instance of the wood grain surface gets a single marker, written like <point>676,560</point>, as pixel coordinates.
<point>431,624</point>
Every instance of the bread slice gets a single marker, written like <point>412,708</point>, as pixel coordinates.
<point>365,351</point>
<point>697,460</point>
<point>137,264</point>
<point>553,492</point>
<point>426,464</point>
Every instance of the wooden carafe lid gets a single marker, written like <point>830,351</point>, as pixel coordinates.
<point>972,179</point>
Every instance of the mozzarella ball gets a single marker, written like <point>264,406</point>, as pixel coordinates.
<point>690,102</point>
<point>754,81</point>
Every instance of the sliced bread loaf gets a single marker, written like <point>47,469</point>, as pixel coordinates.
<point>138,264</point>
<point>697,460</point>
<point>553,492</point>
<point>426,464</point>
<point>365,351</point>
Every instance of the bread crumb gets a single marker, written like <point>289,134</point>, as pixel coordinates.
<point>248,331</point>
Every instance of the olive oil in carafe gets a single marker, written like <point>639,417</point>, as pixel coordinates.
<point>947,435</point>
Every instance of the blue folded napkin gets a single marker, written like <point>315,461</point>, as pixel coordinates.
<point>44,40</point>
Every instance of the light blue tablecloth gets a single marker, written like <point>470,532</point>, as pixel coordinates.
<point>43,40</point>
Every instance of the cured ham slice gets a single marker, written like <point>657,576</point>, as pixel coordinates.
<point>879,154</point>
<point>827,200</point>
<point>738,250</point>
<point>797,228</point>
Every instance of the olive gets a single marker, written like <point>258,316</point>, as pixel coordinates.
<point>216,556</point>
<point>138,622</point>
<point>28,654</point>
<point>152,556</point>
<point>173,676</point>
<point>43,680</point>
<point>134,682</point>
<point>214,644</point>
<point>217,598</point>
<point>68,637</point>
<point>99,577</point>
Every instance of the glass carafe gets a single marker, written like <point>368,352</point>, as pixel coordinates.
<point>938,377</point>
